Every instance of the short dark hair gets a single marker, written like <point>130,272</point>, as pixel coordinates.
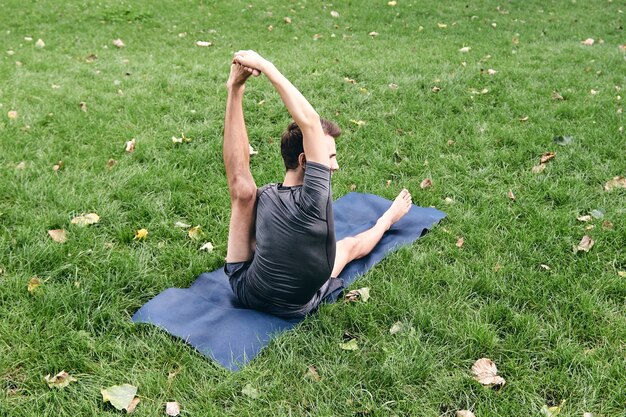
<point>291,141</point>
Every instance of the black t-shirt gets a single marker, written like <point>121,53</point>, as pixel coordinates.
<point>295,235</point>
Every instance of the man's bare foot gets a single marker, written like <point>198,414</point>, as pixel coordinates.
<point>400,206</point>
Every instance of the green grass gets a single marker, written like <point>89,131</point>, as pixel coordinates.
<point>555,335</point>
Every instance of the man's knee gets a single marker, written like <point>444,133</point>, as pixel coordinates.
<point>242,191</point>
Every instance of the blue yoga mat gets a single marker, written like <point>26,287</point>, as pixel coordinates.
<point>209,318</point>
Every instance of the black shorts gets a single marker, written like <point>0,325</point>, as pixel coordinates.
<point>237,271</point>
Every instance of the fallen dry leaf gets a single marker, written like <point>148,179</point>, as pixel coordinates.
<point>120,396</point>
<point>557,96</point>
<point>511,195</point>
<point>119,43</point>
<point>357,122</point>
<point>465,49</point>
<point>33,284</point>
<point>172,408</point>
<point>442,25</point>
<point>85,219</point>
<point>132,405</point>
<point>373,34</point>
<point>58,235</point>
<point>523,119</point>
<point>585,218</point>
<point>83,106</point>
<point>616,182</point>
<point>607,225</point>
<point>21,165</point>
<point>111,162</point>
<point>491,71</point>
<point>12,114</point>
<point>182,225</point>
<point>392,3</point>
<point>621,274</point>
<point>393,86</point>
<point>141,234</point>
<point>91,58</point>
<point>400,327</point>
<point>334,13</point>
<point>353,187</point>
<point>349,80</point>
<point>40,43</point>
<point>486,373</point>
<point>362,294</point>
<point>587,415</point>
<point>195,233</point>
<point>57,167</point>
<point>60,380</point>
<point>544,266</point>
<point>596,214</point>
<point>586,243</point>
<point>426,183</point>
<point>270,28</point>
<point>287,19</point>
<point>538,168</point>
<point>449,200</point>
<point>207,247</point>
<point>593,92</point>
<point>349,345</point>
<point>465,413</point>
<point>435,89</point>
<point>317,36</point>
<point>587,42</point>
<point>460,242</point>
<point>312,373</point>
<point>182,139</point>
<point>250,391</point>
<point>130,145</point>
<point>552,411</point>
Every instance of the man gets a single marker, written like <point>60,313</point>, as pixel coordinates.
<point>282,256</point>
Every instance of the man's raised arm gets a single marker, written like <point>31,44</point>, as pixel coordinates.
<point>302,112</point>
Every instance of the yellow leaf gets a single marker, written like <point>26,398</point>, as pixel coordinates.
<point>33,284</point>
<point>120,396</point>
<point>141,234</point>
<point>349,345</point>
<point>195,233</point>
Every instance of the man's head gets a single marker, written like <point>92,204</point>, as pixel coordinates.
<point>292,149</point>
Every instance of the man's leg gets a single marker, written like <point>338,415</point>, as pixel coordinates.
<point>355,247</point>
<point>237,163</point>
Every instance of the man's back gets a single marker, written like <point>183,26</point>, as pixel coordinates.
<point>295,249</point>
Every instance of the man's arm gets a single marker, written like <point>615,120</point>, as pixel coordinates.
<point>300,109</point>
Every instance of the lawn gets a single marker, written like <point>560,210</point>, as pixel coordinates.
<point>467,94</point>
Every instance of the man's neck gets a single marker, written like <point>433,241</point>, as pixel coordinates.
<point>293,177</point>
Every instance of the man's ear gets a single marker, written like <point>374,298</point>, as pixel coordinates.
<point>302,160</point>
